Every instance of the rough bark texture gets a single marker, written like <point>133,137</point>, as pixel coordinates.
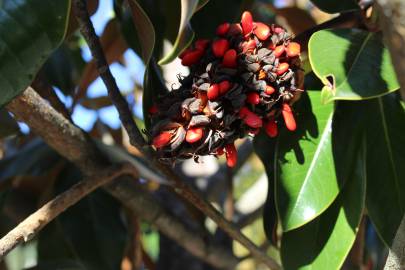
<point>72,143</point>
<point>392,20</point>
<point>396,256</point>
<point>27,229</point>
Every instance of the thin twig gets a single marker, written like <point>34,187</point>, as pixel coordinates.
<point>136,139</point>
<point>28,228</point>
<point>125,114</point>
<point>72,143</point>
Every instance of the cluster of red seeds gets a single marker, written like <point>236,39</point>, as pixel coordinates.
<point>240,82</point>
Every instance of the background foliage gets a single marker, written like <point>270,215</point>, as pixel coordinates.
<point>337,180</point>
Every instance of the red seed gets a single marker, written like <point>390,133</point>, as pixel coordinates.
<point>222,29</point>
<point>282,68</point>
<point>247,23</point>
<point>213,92</point>
<point>201,44</point>
<point>194,135</point>
<point>278,30</point>
<point>243,112</point>
<point>224,86</point>
<point>253,98</point>
<point>253,120</point>
<point>230,59</point>
<point>231,155</point>
<point>192,57</point>
<point>162,139</point>
<point>293,49</point>
<point>262,31</point>
<point>186,51</point>
<point>271,128</point>
<point>235,29</point>
<point>248,45</point>
<point>279,50</point>
<point>288,117</point>
<point>269,90</point>
<point>219,47</point>
<point>153,109</point>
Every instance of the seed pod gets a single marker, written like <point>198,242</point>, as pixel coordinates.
<point>219,47</point>
<point>162,139</point>
<point>194,135</point>
<point>278,30</point>
<point>224,86</point>
<point>192,57</point>
<point>253,98</point>
<point>293,49</point>
<point>213,92</point>
<point>252,120</point>
<point>269,90</point>
<point>230,59</point>
<point>288,117</point>
<point>279,50</point>
<point>262,31</point>
<point>231,155</point>
<point>247,23</point>
<point>282,68</point>
<point>222,29</point>
<point>201,44</point>
<point>244,81</point>
<point>186,51</point>
<point>271,128</point>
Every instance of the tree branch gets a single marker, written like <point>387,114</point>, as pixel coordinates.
<point>136,139</point>
<point>89,34</point>
<point>392,20</point>
<point>143,205</point>
<point>28,228</point>
<point>396,256</point>
<point>72,143</point>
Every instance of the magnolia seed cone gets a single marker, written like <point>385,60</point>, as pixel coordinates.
<point>240,82</point>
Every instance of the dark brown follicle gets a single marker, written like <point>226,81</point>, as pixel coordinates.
<point>240,82</point>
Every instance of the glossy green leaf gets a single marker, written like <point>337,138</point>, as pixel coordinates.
<point>385,138</point>
<point>325,242</point>
<point>336,6</point>
<point>144,31</point>
<point>301,190</point>
<point>353,64</point>
<point>185,34</point>
<point>8,126</point>
<point>65,65</point>
<point>91,232</point>
<point>29,31</point>
<point>309,165</point>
